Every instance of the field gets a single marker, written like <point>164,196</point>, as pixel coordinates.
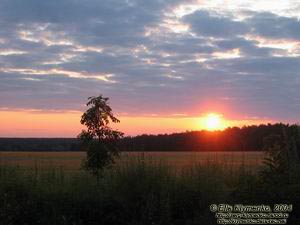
<point>72,160</point>
<point>151,188</point>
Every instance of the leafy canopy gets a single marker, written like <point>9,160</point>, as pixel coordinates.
<point>98,139</point>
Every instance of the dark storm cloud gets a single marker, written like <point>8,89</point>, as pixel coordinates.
<point>54,54</point>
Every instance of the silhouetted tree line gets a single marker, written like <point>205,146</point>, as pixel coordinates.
<point>39,144</point>
<point>247,138</point>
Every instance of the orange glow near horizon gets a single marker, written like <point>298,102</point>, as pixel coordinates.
<point>39,124</point>
<point>66,124</point>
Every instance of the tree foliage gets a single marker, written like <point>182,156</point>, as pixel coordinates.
<point>99,140</point>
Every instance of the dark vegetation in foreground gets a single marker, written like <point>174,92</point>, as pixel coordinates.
<point>133,194</point>
<point>144,192</point>
<point>247,138</point>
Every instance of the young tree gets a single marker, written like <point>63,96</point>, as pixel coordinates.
<point>98,139</point>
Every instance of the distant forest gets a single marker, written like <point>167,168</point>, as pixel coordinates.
<point>247,138</point>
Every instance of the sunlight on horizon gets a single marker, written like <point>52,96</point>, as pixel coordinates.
<point>213,121</point>
<point>67,124</point>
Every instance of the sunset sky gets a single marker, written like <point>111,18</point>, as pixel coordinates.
<point>165,65</point>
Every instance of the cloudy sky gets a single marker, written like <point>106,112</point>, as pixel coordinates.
<point>154,59</point>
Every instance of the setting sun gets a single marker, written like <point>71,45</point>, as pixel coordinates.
<point>213,121</point>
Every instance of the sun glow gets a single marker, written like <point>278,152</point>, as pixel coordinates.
<point>213,122</point>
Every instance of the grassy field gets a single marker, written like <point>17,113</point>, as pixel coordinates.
<point>72,160</point>
<point>161,188</point>
<point>135,192</point>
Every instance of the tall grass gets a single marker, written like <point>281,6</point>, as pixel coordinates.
<point>138,191</point>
